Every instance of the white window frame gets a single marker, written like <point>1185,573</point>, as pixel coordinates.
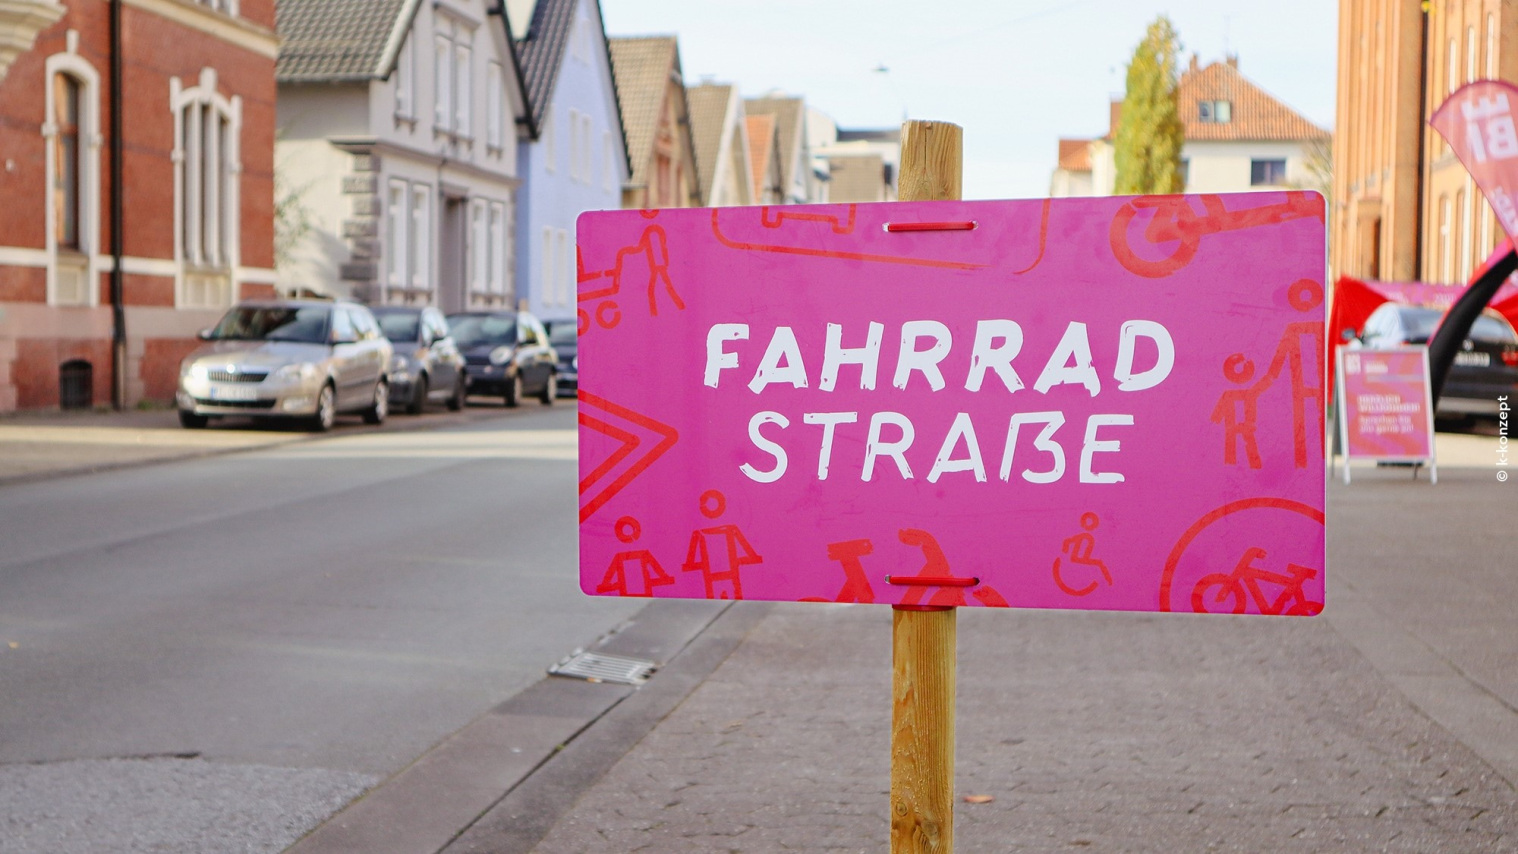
<point>1470,54</point>
<point>545,270</point>
<point>405,81</point>
<point>463,88</point>
<point>499,249</point>
<point>442,83</point>
<point>479,246</point>
<point>398,234</point>
<point>565,265</point>
<point>421,237</point>
<point>587,149</point>
<point>207,208</point>
<point>90,144</point>
<point>495,114</point>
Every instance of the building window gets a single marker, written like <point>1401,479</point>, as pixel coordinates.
<point>1185,172</point>
<point>67,160</point>
<point>1446,246</point>
<point>479,246</point>
<point>1470,54</point>
<point>565,264</point>
<point>228,7</point>
<point>442,83</point>
<point>1220,112</point>
<point>397,234</point>
<point>1267,173</point>
<point>71,137</point>
<point>495,115</point>
<point>421,237</point>
<point>1466,232</point>
<point>207,127</point>
<point>463,109</point>
<point>1454,65</point>
<point>581,39</point>
<point>498,248</point>
<point>405,82</point>
<point>545,270</point>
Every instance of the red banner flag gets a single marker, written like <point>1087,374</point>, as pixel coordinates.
<point>1478,122</point>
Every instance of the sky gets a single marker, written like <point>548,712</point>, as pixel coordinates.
<point>1015,74</point>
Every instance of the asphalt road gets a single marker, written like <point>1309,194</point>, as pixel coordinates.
<point>216,654</point>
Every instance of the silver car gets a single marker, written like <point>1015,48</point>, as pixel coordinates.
<point>288,359</point>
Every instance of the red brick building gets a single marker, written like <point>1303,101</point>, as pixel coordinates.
<point>197,188</point>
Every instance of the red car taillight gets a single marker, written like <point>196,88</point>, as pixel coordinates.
<point>1510,358</point>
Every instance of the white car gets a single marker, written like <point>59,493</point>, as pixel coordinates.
<point>288,359</point>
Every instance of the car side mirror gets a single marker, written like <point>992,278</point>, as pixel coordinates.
<point>204,334</point>
<point>1349,334</point>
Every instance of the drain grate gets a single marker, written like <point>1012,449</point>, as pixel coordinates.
<point>595,667</point>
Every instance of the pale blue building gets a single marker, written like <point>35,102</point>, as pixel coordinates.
<point>573,156</point>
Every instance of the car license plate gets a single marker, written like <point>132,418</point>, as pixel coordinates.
<point>234,392</point>
<point>1473,360</point>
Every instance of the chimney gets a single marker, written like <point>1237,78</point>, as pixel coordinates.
<point>1195,62</point>
<point>1233,61</point>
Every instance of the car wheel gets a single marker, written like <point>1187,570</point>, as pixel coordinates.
<point>192,421</point>
<point>456,402</point>
<point>514,390</point>
<point>326,410</point>
<point>377,410</point>
<point>418,396</point>
<point>550,390</point>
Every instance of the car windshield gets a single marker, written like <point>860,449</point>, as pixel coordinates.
<point>472,330</point>
<point>1495,330</point>
<point>1421,323</point>
<point>307,324</point>
<point>399,326</point>
<point>562,333</point>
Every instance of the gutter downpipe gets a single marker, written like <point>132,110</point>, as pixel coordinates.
<point>1424,164</point>
<point>118,214</point>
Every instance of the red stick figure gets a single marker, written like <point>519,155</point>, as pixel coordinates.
<point>653,247</point>
<point>651,573</point>
<point>1237,408</point>
<point>720,583</point>
<point>1237,411</point>
<point>1078,548</point>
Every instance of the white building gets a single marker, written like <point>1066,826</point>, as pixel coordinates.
<point>1238,138</point>
<point>398,139</point>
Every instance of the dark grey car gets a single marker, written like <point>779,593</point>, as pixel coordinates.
<point>427,364</point>
<point>506,353</point>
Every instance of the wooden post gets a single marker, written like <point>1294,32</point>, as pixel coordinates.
<point>924,639</point>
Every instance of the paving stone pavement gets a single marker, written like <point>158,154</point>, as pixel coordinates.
<point>1097,732</point>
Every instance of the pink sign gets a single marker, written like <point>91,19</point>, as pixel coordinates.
<point>1104,403</point>
<point>1478,121</point>
<point>1386,413</point>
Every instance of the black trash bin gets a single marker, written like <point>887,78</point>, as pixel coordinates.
<point>76,385</point>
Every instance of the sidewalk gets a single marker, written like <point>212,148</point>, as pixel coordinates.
<point>1388,724</point>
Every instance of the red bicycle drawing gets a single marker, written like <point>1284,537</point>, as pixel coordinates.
<point>1174,220</point>
<point>1231,592</point>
